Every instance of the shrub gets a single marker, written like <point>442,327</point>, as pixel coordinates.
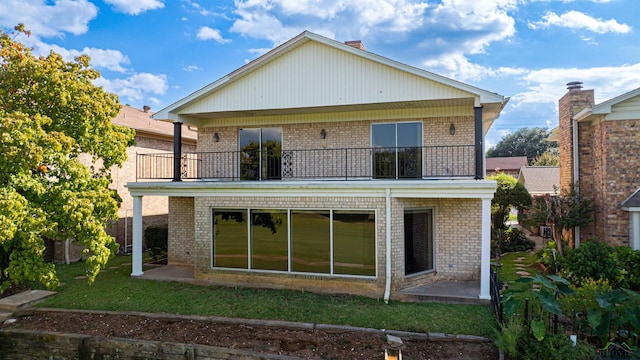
<point>584,297</point>
<point>557,347</point>
<point>628,261</point>
<point>515,240</point>
<point>156,238</point>
<point>592,260</point>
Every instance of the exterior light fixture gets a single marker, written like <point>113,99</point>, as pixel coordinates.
<point>452,129</point>
<point>323,134</point>
<point>216,137</point>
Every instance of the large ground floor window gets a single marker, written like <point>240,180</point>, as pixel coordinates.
<point>334,242</point>
<point>418,241</point>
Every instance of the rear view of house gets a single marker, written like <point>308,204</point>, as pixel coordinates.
<point>324,167</point>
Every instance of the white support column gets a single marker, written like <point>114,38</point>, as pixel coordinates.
<point>485,254</point>
<point>634,241</point>
<point>136,255</point>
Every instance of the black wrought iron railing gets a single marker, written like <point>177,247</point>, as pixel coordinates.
<point>328,164</point>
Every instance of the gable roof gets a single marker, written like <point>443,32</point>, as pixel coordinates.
<point>622,107</point>
<point>506,163</point>
<point>539,180</point>
<point>311,73</point>
<point>632,203</point>
<point>142,122</point>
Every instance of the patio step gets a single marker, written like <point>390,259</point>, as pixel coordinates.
<point>448,292</point>
<point>23,299</point>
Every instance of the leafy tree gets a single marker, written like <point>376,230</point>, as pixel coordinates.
<point>50,114</point>
<point>548,158</point>
<point>524,142</point>
<point>510,193</point>
<point>563,212</point>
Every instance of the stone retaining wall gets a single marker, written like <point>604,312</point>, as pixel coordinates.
<point>28,344</point>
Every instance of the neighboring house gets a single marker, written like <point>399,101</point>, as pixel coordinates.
<point>540,180</point>
<point>507,165</point>
<point>604,161</point>
<point>151,137</point>
<point>324,167</point>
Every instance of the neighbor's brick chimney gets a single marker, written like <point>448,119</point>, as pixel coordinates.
<point>356,44</point>
<point>569,105</point>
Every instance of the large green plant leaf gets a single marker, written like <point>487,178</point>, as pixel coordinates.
<point>539,329</point>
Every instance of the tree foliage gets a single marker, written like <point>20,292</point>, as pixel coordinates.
<point>510,193</point>
<point>548,158</point>
<point>51,113</point>
<point>524,142</point>
<point>563,211</point>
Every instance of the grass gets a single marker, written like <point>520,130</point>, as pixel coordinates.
<point>116,290</point>
<point>507,273</point>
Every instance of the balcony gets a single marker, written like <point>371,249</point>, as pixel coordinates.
<point>428,162</point>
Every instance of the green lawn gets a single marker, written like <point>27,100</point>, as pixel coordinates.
<point>507,273</point>
<point>115,290</point>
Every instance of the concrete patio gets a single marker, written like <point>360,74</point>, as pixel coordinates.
<point>450,292</point>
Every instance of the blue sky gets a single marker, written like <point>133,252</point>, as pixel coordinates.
<point>154,52</point>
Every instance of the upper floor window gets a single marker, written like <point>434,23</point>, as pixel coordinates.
<point>260,152</point>
<point>397,150</point>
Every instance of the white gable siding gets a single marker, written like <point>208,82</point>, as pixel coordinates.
<point>625,110</point>
<point>316,75</point>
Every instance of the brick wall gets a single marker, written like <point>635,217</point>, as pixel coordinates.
<point>607,149</point>
<point>154,208</point>
<point>181,231</point>
<point>457,225</point>
<point>569,105</point>
<point>355,134</point>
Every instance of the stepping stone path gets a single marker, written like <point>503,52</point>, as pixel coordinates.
<point>521,267</point>
<point>11,303</point>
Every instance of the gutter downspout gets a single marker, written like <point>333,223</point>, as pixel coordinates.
<point>387,280</point>
<point>576,172</point>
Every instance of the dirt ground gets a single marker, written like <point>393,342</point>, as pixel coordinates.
<point>306,344</point>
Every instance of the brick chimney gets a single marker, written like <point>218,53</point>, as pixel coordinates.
<point>569,105</point>
<point>356,44</point>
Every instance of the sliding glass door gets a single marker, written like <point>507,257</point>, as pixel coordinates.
<point>260,151</point>
<point>397,150</point>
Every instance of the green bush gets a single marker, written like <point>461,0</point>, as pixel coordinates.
<point>556,347</point>
<point>619,265</point>
<point>592,260</point>
<point>515,240</point>
<point>628,261</point>
<point>156,238</point>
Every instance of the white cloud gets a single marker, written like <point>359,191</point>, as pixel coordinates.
<point>190,68</point>
<point>207,33</point>
<point>135,87</point>
<point>549,85</point>
<point>457,66</point>
<point>577,20</point>
<point>44,20</point>
<point>100,58</point>
<point>135,7</point>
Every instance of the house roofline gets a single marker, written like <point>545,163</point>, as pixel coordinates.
<point>481,96</point>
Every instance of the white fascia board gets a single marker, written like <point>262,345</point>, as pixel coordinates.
<point>631,209</point>
<point>478,189</point>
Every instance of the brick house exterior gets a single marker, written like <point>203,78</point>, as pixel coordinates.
<point>151,137</point>
<point>367,172</point>
<point>607,152</point>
